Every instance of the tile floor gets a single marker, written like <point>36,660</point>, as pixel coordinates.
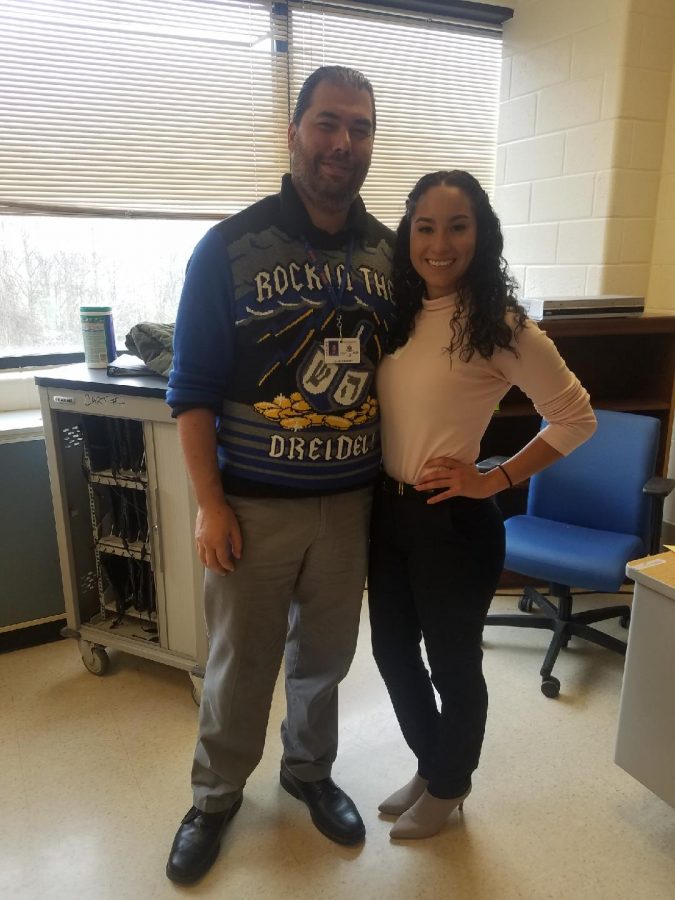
<point>94,780</point>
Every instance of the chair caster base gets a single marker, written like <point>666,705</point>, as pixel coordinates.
<point>550,686</point>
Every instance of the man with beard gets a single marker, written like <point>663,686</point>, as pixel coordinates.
<point>278,333</point>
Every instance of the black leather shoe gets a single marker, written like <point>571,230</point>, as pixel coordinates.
<point>197,842</point>
<point>332,811</point>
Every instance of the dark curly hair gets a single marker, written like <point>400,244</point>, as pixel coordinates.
<point>486,290</point>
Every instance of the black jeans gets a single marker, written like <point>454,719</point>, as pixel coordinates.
<point>433,572</point>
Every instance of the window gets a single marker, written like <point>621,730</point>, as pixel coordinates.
<point>52,265</point>
<point>126,125</point>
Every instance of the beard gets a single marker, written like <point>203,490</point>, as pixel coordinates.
<point>333,192</point>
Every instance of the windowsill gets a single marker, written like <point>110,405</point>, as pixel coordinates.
<point>18,391</point>
<point>20,425</point>
<point>38,360</point>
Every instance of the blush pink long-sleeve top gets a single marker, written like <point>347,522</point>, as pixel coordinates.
<point>433,404</point>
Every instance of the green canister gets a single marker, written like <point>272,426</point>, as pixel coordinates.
<point>98,336</point>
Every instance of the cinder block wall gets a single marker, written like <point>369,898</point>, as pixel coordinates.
<point>583,115</point>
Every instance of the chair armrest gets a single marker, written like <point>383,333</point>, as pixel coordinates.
<point>487,465</point>
<point>658,487</point>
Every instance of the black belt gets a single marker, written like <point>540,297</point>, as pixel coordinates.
<point>390,486</point>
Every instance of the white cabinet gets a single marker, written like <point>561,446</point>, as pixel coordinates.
<point>124,517</point>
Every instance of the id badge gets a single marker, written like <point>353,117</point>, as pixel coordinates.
<point>342,350</point>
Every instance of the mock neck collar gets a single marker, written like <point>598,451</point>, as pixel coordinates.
<point>446,302</point>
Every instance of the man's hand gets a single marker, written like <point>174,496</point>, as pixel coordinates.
<point>458,479</point>
<point>218,537</point>
<point>217,531</point>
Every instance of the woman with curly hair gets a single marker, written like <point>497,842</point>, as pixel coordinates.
<point>461,340</point>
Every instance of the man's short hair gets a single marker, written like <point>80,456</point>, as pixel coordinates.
<point>337,75</point>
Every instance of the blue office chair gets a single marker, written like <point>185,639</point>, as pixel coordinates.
<point>587,515</point>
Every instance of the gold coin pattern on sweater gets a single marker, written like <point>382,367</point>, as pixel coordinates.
<point>294,413</point>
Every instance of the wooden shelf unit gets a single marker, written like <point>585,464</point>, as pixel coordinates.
<point>625,364</point>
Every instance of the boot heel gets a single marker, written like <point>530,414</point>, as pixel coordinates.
<point>426,817</point>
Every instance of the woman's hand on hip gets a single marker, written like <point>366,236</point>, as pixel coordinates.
<point>452,478</point>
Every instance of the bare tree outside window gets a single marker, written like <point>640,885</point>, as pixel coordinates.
<point>50,266</point>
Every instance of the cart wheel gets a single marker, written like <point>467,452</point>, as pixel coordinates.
<point>95,659</point>
<point>550,687</point>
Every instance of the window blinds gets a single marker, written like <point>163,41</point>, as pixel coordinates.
<point>180,107</point>
<point>158,105</point>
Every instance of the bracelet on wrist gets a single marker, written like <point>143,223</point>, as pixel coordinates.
<point>505,473</point>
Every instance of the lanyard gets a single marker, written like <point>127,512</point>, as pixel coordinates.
<point>336,299</point>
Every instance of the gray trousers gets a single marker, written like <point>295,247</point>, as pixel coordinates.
<point>297,588</point>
